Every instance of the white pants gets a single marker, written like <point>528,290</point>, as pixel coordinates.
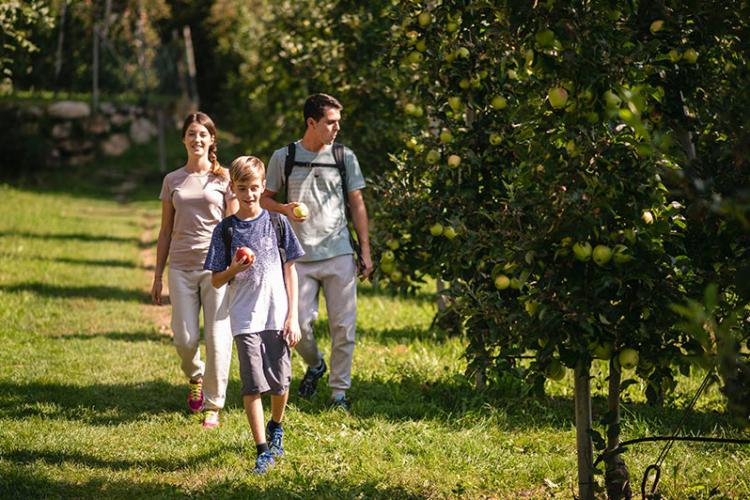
<point>337,276</point>
<point>188,292</point>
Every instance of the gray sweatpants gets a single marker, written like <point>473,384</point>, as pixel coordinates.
<point>189,291</point>
<point>337,277</point>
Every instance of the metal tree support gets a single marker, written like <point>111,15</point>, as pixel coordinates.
<point>584,446</point>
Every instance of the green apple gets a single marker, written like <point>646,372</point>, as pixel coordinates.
<point>512,74</point>
<point>301,211</point>
<point>531,306</point>
<point>628,358</point>
<point>674,55</point>
<point>571,148</point>
<point>499,102</point>
<point>656,26</point>
<point>555,370</point>
<point>454,161</point>
<point>436,229</point>
<point>388,256</point>
<point>545,38</point>
<point>502,282</point>
<point>396,276</point>
<point>455,103</point>
<point>601,255</point>
<point>421,46</point>
<point>690,56</point>
<point>446,137</point>
<point>582,250</point>
<point>645,368</point>
<point>558,97</point>
<point>433,156</point>
<point>449,232</point>
<point>464,83</point>
<point>424,19</point>
<point>495,139</point>
<point>412,143</point>
<point>647,216</point>
<point>393,244</point>
<point>463,53</point>
<point>415,57</point>
<point>410,108</point>
<point>387,267</point>
<point>515,283</point>
<point>612,100</point>
<point>451,27</point>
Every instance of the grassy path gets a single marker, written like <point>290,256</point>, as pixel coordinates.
<point>92,400</point>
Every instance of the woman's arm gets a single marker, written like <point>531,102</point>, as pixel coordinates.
<point>162,248</point>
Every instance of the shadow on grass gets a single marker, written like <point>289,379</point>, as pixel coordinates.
<point>402,335</point>
<point>97,404</point>
<point>420,297</point>
<point>78,292</point>
<point>454,403</point>
<point>91,262</point>
<point>19,482</point>
<point>85,237</point>
<point>116,336</point>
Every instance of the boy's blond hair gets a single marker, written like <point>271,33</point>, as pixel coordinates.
<point>245,168</point>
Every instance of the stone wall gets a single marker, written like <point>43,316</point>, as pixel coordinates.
<point>61,133</point>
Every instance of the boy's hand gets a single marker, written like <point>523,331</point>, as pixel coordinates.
<point>241,262</point>
<point>292,332</point>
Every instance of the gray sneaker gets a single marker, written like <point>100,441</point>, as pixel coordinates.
<point>309,385</point>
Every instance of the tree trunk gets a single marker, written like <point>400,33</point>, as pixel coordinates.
<point>60,41</point>
<point>583,429</point>
<point>616,475</point>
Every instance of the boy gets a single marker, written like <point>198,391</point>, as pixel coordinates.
<point>262,301</point>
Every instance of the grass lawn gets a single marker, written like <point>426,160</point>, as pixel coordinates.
<point>92,402</point>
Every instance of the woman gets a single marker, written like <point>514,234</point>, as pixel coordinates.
<point>195,198</point>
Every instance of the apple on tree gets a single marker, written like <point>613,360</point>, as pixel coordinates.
<point>582,250</point>
<point>449,232</point>
<point>602,254</point>
<point>436,229</point>
<point>558,97</point>
<point>502,282</point>
<point>454,161</point>
<point>628,358</point>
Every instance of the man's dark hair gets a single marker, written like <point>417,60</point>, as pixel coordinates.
<point>316,104</point>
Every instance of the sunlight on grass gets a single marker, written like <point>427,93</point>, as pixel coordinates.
<point>92,400</point>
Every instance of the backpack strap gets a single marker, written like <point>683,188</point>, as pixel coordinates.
<point>338,156</point>
<point>226,236</point>
<point>279,229</point>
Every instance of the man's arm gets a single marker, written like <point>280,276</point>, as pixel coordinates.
<point>361,225</point>
<point>268,202</point>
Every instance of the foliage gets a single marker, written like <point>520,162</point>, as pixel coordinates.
<point>288,50</point>
<point>18,20</point>
<point>131,53</point>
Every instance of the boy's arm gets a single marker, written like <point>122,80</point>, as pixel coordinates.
<point>292,332</point>
<point>220,278</point>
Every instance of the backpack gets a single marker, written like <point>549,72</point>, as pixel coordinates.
<point>278,227</point>
<point>338,156</point>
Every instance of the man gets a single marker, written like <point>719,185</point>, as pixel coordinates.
<point>315,182</point>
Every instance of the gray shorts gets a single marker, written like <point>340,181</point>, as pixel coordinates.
<point>265,362</point>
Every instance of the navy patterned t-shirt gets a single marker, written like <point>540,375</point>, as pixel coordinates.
<point>257,296</point>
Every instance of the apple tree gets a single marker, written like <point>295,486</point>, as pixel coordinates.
<point>534,180</point>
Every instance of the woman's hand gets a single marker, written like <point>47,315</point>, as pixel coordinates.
<point>156,291</point>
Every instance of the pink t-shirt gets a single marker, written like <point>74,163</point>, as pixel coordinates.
<point>200,202</point>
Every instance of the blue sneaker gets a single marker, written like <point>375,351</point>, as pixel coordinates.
<point>341,403</point>
<point>275,440</point>
<point>263,463</point>
<point>309,385</point>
